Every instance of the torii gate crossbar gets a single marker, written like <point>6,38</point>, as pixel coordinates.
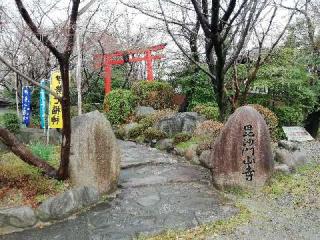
<point>121,57</point>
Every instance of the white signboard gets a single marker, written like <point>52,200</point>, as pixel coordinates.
<point>259,90</point>
<point>298,134</point>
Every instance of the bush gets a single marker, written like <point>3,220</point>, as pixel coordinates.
<point>155,117</point>
<point>156,94</point>
<point>181,137</point>
<point>11,122</point>
<point>153,133</point>
<point>289,116</point>
<point>270,118</point>
<point>208,128</point>
<point>136,131</point>
<point>90,107</point>
<point>119,105</point>
<point>208,110</point>
<point>120,133</point>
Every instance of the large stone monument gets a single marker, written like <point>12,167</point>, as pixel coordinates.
<point>95,155</point>
<point>241,155</point>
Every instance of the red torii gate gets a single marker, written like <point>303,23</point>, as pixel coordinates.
<point>121,57</point>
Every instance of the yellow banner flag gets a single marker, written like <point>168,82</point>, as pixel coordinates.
<point>55,109</point>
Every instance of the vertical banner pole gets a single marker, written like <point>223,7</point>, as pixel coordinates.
<point>78,72</point>
<point>17,97</point>
<point>42,105</point>
<point>48,125</point>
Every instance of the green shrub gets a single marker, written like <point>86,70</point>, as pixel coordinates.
<point>11,122</point>
<point>136,131</point>
<point>207,110</point>
<point>270,118</point>
<point>119,105</point>
<point>181,137</point>
<point>289,116</point>
<point>153,133</point>
<point>156,94</point>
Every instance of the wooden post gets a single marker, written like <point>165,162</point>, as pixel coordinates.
<point>149,66</point>
<point>107,76</point>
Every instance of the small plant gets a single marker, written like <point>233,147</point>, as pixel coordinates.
<point>120,133</point>
<point>119,104</point>
<point>153,133</point>
<point>136,131</point>
<point>207,110</point>
<point>11,122</point>
<point>43,151</point>
<point>208,128</point>
<point>156,94</point>
<point>181,137</point>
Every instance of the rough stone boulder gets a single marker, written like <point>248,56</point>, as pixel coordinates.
<point>20,217</point>
<point>95,155</point>
<point>241,155</point>
<point>63,205</point>
<point>180,122</point>
<point>292,159</point>
<point>142,111</point>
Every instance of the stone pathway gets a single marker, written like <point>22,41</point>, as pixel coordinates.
<point>157,191</point>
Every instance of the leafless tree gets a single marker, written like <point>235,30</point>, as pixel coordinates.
<point>261,54</point>
<point>63,58</point>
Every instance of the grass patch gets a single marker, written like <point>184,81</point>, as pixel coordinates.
<point>303,185</point>
<point>22,184</point>
<point>206,230</point>
<point>238,191</point>
<point>49,153</point>
<point>194,140</point>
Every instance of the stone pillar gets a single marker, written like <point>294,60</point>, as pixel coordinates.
<point>241,155</point>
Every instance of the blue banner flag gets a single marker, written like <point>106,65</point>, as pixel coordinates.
<point>26,105</point>
<point>43,104</point>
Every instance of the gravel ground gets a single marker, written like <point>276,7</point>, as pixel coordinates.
<point>280,218</point>
<point>312,148</point>
<point>272,219</point>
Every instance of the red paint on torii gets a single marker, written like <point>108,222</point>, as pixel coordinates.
<point>121,57</point>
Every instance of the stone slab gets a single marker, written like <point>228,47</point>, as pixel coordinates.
<point>163,174</point>
<point>298,134</point>
<point>134,154</point>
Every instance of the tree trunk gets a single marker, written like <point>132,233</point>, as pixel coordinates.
<point>25,154</point>
<point>66,132</point>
